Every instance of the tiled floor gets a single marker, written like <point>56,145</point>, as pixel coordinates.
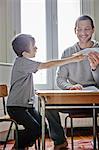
<point>80,143</point>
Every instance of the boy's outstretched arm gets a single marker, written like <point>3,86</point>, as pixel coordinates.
<point>53,63</point>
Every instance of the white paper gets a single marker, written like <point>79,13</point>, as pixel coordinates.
<point>92,88</point>
<point>86,51</point>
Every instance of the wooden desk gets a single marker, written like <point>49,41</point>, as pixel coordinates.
<point>59,99</point>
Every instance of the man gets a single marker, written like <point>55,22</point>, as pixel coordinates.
<point>79,75</point>
<point>75,76</point>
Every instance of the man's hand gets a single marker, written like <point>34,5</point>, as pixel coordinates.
<point>93,58</point>
<point>76,87</point>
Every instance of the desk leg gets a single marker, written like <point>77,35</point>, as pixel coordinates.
<point>39,110</point>
<point>94,128</point>
<point>43,121</point>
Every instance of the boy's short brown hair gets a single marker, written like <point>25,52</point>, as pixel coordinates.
<point>21,43</point>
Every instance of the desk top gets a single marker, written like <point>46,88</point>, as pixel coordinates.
<point>69,96</point>
<point>67,92</point>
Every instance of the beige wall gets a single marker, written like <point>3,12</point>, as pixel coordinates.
<point>96,15</point>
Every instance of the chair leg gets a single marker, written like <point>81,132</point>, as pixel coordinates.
<point>38,143</point>
<point>16,135</point>
<point>4,106</point>
<point>7,135</point>
<point>72,143</point>
<point>66,125</point>
<point>35,146</point>
<point>98,140</point>
<point>97,134</point>
<point>71,122</point>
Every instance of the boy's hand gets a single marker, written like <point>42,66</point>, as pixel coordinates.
<point>78,58</point>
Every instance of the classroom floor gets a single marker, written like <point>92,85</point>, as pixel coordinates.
<point>80,143</point>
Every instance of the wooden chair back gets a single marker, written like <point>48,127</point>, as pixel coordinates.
<point>3,90</point>
<point>3,94</point>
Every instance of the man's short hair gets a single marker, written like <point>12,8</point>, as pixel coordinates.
<point>85,17</point>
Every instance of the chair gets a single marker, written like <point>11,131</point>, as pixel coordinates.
<point>77,114</point>
<point>6,117</point>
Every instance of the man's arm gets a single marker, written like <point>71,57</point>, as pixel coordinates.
<point>62,80</point>
<point>62,77</point>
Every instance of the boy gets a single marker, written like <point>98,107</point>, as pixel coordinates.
<point>22,93</point>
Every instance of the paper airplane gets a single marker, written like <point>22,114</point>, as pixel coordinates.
<point>86,51</point>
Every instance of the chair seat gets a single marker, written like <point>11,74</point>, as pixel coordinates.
<point>80,115</point>
<point>5,117</point>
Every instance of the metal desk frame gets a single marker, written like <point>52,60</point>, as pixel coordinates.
<point>47,100</point>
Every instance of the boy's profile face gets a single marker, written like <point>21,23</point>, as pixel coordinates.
<point>31,52</point>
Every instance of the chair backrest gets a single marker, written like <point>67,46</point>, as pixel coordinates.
<point>3,90</point>
<point>3,94</point>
